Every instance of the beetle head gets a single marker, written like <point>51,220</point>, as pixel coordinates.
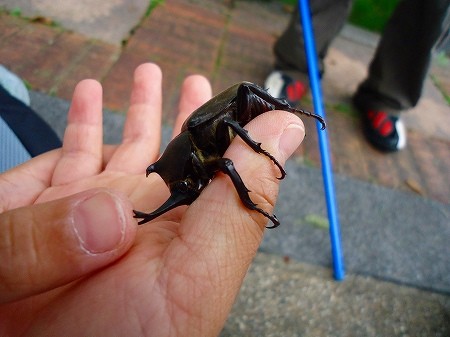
<point>176,168</point>
<point>180,184</point>
<point>175,165</point>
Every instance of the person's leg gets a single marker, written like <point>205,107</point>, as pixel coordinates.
<point>398,70</point>
<point>23,134</point>
<point>328,17</point>
<point>12,150</point>
<point>289,79</point>
<point>14,85</point>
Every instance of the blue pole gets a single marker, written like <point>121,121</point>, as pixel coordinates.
<point>327,173</point>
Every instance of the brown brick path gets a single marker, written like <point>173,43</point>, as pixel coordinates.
<point>227,44</point>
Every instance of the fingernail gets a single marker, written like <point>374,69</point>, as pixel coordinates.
<point>291,138</point>
<point>99,223</point>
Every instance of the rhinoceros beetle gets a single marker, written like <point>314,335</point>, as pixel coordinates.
<point>192,158</point>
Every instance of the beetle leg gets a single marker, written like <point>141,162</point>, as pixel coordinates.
<point>282,104</point>
<point>254,145</point>
<point>226,166</point>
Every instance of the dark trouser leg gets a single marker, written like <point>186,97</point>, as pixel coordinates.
<point>397,72</point>
<point>33,132</point>
<point>328,17</point>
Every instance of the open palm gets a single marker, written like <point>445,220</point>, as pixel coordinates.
<point>177,275</point>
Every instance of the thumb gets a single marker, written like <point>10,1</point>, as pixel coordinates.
<point>220,236</point>
<point>47,245</point>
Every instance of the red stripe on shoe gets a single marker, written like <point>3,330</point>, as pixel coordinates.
<point>381,122</point>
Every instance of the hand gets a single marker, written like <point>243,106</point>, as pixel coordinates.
<point>74,260</point>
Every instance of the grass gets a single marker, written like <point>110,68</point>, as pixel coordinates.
<point>372,14</point>
<point>152,5</point>
<point>368,14</point>
<point>16,11</point>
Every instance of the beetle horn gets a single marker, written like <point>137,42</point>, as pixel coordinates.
<point>150,169</point>
<point>175,200</point>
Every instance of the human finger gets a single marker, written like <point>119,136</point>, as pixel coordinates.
<point>83,137</point>
<point>142,130</point>
<point>48,245</point>
<point>196,90</point>
<point>23,184</point>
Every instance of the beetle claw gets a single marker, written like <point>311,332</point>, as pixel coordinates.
<point>274,220</point>
<point>309,114</point>
<point>145,217</point>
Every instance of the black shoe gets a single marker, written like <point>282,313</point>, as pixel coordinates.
<point>385,132</point>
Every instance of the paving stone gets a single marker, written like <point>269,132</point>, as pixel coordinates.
<point>281,297</point>
<point>110,21</point>
<point>432,171</point>
<point>117,83</point>
<point>93,62</point>
<point>34,39</point>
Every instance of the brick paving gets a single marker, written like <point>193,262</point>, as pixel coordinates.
<point>226,44</point>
